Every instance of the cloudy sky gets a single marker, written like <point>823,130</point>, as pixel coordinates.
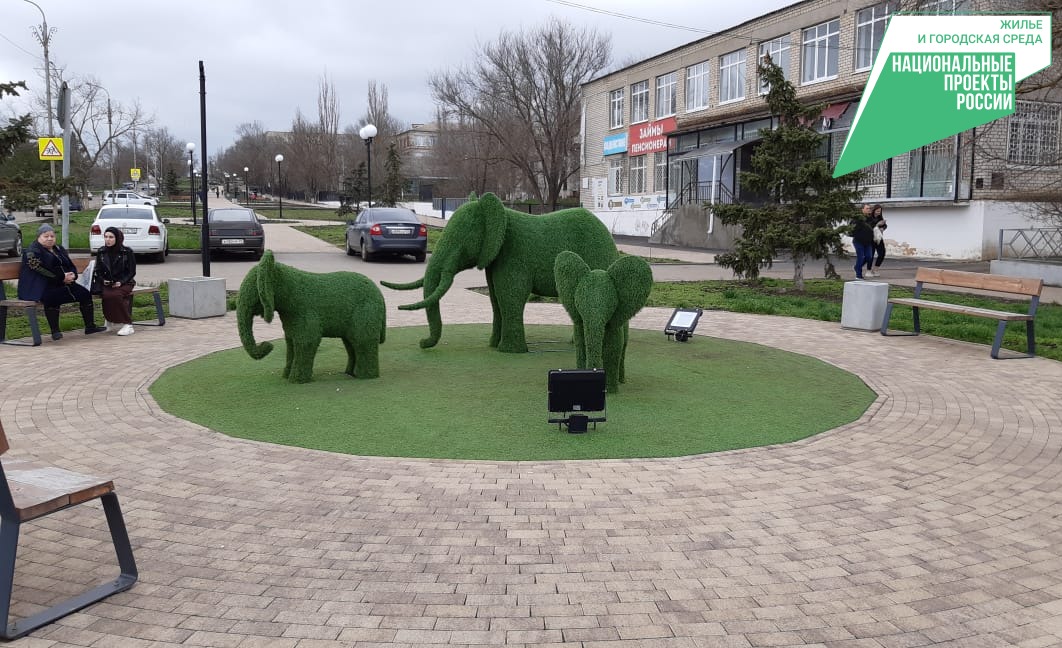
<point>265,59</point>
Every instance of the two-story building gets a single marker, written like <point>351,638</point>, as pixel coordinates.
<point>666,136</point>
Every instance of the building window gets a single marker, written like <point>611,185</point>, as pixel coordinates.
<point>637,174</point>
<point>640,102</point>
<point>1034,133</point>
<point>666,95</point>
<point>732,76</point>
<point>697,87</point>
<point>660,173</point>
<point>615,108</point>
<point>940,7</point>
<point>778,51</point>
<point>870,28</point>
<point>615,176</point>
<point>820,52</point>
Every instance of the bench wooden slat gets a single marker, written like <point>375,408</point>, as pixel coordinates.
<point>981,281</point>
<point>38,489</point>
<point>964,310</point>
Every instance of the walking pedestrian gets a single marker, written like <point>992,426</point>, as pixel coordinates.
<point>863,239</point>
<point>878,223</point>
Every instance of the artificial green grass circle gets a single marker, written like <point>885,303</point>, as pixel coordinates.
<point>464,400</point>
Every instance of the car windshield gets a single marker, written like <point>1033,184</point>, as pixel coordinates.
<point>130,213</point>
<point>232,216</point>
<point>392,215</point>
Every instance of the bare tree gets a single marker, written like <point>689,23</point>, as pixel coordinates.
<point>165,153</point>
<point>328,125</point>
<point>524,89</point>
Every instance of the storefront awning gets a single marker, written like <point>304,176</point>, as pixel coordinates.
<point>717,148</point>
<point>833,111</point>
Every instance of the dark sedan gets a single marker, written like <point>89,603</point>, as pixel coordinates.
<point>10,235</point>
<point>235,229</point>
<point>387,230</point>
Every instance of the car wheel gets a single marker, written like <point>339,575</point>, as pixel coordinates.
<point>420,256</point>
<point>17,250</point>
<point>346,244</point>
<point>365,254</point>
<point>160,257</point>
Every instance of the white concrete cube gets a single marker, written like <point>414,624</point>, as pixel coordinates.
<point>197,297</point>
<point>863,305</point>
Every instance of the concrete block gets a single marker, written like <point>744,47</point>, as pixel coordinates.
<point>863,304</point>
<point>197,297</point>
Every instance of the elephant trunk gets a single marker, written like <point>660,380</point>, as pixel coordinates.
<point>247,307</point>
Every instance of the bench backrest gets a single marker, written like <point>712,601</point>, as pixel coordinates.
<point>981,281</point>
<point>3,439</point>
<point>9,269</point>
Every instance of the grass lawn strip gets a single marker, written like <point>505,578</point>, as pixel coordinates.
<point>463,400</point>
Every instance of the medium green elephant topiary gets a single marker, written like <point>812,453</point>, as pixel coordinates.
<point>517,251</point>
<point>344,305</point>
<point>601,304</point>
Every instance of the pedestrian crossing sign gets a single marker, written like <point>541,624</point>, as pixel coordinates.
<point>50,148</point>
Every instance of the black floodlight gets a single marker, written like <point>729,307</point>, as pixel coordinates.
<point>573,392</point>
<point>682,323</point>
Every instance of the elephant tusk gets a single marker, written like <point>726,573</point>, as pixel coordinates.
<point>406,286</point>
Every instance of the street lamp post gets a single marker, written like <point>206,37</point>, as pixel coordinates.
<point>280,184</point>
<point>246,187</point>
<point>44,36</point>
<point>367,132</point>
<point>190,146</point>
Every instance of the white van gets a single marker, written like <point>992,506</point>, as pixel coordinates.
<point>123,197</point>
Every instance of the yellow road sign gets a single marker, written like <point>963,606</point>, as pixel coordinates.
<point>134,174</point>
<point>50,148</point>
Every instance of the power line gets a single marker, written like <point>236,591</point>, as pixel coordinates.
<point>616,14</point>
<point>19,47</point>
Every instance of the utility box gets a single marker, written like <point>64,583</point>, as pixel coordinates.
<point>197,297</point>
<point>863,305</point>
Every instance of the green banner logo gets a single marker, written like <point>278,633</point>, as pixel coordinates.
<point>936,76</point>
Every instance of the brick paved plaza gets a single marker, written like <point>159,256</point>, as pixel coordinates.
<point>935,519</point>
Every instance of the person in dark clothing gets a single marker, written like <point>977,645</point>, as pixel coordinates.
<point>877,221</point>
<point>48,275</point>
<point>863,239</point>
<point>114,279</point>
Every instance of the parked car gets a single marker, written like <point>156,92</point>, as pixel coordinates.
<point>392,230</point>
<point>122,197</point>
<point>10,235</point>
<point>235,229</point>
<point>144,232</point>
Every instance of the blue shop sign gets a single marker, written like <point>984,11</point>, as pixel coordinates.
<point>616,143</point>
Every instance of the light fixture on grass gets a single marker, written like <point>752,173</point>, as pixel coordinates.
<point>573,393</point>
<point>682,323</point>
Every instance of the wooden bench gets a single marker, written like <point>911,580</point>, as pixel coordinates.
<point>9,271</point>
<point>997,283</point>
<point>29,491</point>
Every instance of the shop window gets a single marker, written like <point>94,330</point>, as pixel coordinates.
<point>1034,133</point>
<point>615,175</point>
<point>637,174</point>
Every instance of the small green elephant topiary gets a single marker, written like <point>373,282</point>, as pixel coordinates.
<point>345,305</point>
<point>601,304</point>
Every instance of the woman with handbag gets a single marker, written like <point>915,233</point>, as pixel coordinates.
<point>48,275</point>
<point>114,279</point>
<point>877,220</point>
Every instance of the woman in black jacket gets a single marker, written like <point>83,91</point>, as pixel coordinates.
<point>114,279</point>
<point>48,275</point>
<point>863,239</point>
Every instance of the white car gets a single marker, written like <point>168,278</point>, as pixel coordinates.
<point>144,231</point>
<point>122,197</point>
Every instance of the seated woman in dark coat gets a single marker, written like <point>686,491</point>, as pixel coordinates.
<point>48,275</point>
<point>114,279</point>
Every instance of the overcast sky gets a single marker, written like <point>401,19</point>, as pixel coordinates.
<point>265,59</point>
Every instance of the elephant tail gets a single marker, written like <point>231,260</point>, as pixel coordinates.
<point>419,283</point>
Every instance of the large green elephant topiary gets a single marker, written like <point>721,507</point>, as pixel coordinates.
<point>345,305</point>
<point>601,304</point>
<point>517,251</point>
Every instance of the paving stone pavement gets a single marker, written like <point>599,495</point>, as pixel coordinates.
<point>933,520</point>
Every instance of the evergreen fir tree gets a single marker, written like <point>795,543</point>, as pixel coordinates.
<point>806,209</point>
<point>392,188</point>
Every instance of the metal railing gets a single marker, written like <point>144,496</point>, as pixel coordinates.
<point>1035,243</point>
<point>711,193</point>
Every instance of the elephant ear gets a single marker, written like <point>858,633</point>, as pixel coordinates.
<point>568,270</point>
<point>266,280</point>
<point>633,279</point>
<point>495,222</point>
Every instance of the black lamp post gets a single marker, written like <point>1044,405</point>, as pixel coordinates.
<point>367,132</point>
<point>190,146</point>
<point>246,187</point>
<point>280,184</point>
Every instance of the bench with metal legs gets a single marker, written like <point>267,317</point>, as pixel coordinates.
<point>29,491</point>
